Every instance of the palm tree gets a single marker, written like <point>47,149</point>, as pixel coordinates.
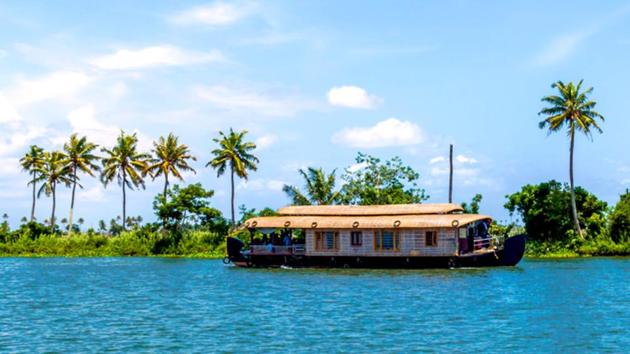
<point>573,108</point>
<point>235,153</point>
<point>320,188</point>
<point>80,156</point>
<point>54,171</point>
<point>125,164</point>
<point>31,162</point>
<point>170,158</point>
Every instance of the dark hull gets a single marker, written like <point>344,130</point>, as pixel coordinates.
<point>510,255</point>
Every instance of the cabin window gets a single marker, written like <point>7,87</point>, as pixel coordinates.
<point>326,241</point>
<point>462,233</point>
<point>386,240</point>
<point>356,238</point>
<point>431,239</point>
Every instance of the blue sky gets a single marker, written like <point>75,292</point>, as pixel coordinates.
<point>314,83</point>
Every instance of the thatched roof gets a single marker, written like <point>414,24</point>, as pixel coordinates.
<point>365,222</point>
<point>370,210</point>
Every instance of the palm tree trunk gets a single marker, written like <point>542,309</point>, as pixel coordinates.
<point>52,216</point>
<point>34,194</point>
<point>165,185</point>
<point>576,221</point>
<point>74,187</point>
<point>124,210</point>
<point>232,182</point>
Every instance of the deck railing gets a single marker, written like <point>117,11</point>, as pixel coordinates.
<point>489,242</point>
<point>298,249</point>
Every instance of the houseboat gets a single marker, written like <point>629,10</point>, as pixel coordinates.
<point>376,236</point>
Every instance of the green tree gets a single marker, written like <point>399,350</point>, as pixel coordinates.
<point>251,213</point>
<point>545,210</point>
<point>188,207</point>
<point>571,108</point>
<point>319,188</point>
<point>473,208</point>
<point>54,171</point>
<point>125,164</point>
<point>619,220</point>
<point>81,158</point>
<point>236,154</point>
<point>376,182</point>
<point>170,157</point>
<point>32,162</point>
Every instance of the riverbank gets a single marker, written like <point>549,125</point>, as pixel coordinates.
<point>193,244</point>
<point>588,248</point>
<point>208,245</point>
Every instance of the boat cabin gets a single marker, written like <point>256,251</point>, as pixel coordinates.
<point>407,230</point>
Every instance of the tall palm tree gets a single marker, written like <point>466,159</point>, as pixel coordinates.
<point>170,158</point>
<point>31,162</point>
<point>55,170</point>
<point>125,164</point>
<point>235,153</point>
<point>571,108</point>
<point>80,157</point>
<point>320,188</point>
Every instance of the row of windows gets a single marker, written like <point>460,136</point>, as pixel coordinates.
<point>383,240</point>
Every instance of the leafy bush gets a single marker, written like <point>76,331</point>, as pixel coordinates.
<point>619,220</point>
<point>546,211</point>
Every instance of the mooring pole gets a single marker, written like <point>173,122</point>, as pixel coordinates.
<point>450,175</point>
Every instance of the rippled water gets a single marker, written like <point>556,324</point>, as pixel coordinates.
<point>174,305</point>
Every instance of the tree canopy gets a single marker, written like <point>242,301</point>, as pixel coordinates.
<point>620,219</point>
<point>374,182</point>
<point>319,188</point>
<point>546,210</point>
<point>188,207</point>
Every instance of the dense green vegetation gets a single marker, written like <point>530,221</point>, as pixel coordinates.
<point>367,182</point>
<point>545,210</point>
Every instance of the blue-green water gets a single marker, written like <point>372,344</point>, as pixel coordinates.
<point>174,305</point>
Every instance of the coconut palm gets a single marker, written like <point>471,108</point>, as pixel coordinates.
<point>79,152</point>
<point>31,162</point>
<point>571,108</point>
<point>235,153</point>
<point>320,188</point>
<point>170,158</point>
<point>125,164</point>
<point>55,170</point>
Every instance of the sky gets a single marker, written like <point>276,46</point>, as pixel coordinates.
<point>314,83</point>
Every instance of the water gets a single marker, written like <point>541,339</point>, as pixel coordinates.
<point>174,305</point>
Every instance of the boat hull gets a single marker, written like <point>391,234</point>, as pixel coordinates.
<point>509,255</point>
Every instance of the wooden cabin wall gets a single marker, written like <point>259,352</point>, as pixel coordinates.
<point>412,243</point>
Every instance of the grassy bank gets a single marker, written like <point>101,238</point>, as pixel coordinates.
<point>197,244</point>
<point>204,244</point>
<point>576,248</point>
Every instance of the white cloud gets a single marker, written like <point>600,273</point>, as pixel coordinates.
<point>437,159</point>
<point>10,166</point>
<point>215,14</point>
<point>19,139</point>
<point>265,141</point>
<point>560,48</point>
<point>250,100</point>
<point>357,167</point>
<point>625,182</point>
<point>353,97</point>
<point>390,132</point>
<point>161,55</point>
<point>8,114</point>
<point>56,85</point>
<point>93,194</point>
<point>261,184</point>
<point>83,122</point>
<point>465,159</point>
